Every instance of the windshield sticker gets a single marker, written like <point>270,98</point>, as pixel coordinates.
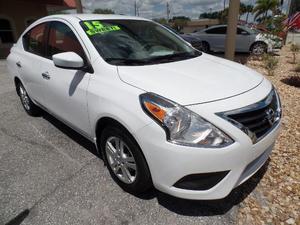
<point>96,27</point>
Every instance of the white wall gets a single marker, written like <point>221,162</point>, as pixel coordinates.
<point>293,37</point>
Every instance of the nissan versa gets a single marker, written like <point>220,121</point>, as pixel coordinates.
<point>160,112</point>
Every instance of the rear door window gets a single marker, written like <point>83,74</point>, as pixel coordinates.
<point>217,30</point>
<point>34,40</point>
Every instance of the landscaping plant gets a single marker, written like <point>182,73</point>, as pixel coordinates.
<point>297,69</point>
<point>270,63</point>
<point>294,49</point>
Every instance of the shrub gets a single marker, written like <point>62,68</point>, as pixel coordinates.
<point>270,63</point>
<point>294,49</point>
<point>297,69</point>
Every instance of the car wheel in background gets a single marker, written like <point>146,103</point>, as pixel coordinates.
<point>125,160</point>
<point>258,48</point>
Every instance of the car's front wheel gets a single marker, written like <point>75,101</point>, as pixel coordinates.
<point>259,48</point>
<point>125,160</point>
<point>27,103</point>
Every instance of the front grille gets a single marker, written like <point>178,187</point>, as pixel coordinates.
<point>258,119</point>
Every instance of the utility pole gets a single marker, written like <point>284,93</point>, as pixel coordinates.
<point>136,9</point>
<point>289,7</point>
<point>79,6</point>
<point>224,5</point>
<point>168,11</point>
<point>234,7</point>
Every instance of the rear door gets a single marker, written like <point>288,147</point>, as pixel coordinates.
<point>242,43</point>
<point>216,38</point>
<point>65,89</point>
<point>29,62</point>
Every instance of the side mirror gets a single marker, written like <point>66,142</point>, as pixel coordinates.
<point>68,60</point>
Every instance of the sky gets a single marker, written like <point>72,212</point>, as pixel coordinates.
<point>157,8</point>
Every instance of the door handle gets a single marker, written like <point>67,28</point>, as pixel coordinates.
<point>19,64</point>
<point>46,75</point>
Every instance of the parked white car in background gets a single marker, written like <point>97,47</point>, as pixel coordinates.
<point>247,40</point>
<point>160,112</point>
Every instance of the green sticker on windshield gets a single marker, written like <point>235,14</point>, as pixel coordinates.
<point>96,27</point>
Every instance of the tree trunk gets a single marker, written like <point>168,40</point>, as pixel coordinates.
<point>233,15</point>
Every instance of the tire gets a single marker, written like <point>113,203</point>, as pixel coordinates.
<point>138,181</point>
<point>258,48</point>
<point>28,105</point>
<point>205,46</point>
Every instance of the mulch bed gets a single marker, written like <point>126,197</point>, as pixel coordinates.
<point>276,199</point>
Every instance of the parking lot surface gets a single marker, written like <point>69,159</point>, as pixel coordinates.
<point>49,174</point>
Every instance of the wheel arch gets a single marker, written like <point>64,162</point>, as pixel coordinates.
<point>256,42</point>
<point>106,121</point>
<point>17,81</point>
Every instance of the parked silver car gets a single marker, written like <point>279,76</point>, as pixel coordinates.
<point>247,40</point>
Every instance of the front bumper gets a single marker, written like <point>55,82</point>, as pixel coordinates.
<point>273,48</point>
<point>168,163</point>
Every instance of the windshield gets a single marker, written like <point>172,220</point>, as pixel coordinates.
<point>250,30</point>
<point>136,42</point>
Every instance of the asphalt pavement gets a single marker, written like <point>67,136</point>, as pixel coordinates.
<point>49,174</point>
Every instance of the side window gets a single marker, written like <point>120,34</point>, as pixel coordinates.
<point>217,30</point>
<point>240,31</point>
<point>6,31</point>
<point>33,40</point>
<point>62,39</point>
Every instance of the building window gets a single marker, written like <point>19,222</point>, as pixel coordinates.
<point>6,31</point>
<point>34,40</point>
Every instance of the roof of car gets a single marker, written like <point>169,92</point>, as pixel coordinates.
<point>96,17</point>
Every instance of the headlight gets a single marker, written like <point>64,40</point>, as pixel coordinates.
<point>182,126</point>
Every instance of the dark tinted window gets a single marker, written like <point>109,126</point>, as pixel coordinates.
<point>240,31</point>
<point>62,39</point>
<point>217,30</point>
<point>34,40</point>
<point>6,32</point>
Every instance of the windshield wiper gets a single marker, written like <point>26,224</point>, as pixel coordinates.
<point>122,61</point>
<point>154,60</point>
<point>175,57</point>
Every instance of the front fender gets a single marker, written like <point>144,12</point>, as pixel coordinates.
<point>108,96</point>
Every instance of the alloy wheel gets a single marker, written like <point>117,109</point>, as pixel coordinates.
<point>24,98</point>
<point>121,160</point>
<point>259,49</point>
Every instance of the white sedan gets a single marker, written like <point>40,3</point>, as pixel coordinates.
<point>160,112</point>
<point>247,40</point>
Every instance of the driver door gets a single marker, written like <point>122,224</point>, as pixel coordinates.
<point>65,89</point>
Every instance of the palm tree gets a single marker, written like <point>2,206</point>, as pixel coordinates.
<point>249,9</point>
<point>262,8</point>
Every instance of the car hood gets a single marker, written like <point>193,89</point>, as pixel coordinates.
<point>267,37</point>
<point>203,79</point>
